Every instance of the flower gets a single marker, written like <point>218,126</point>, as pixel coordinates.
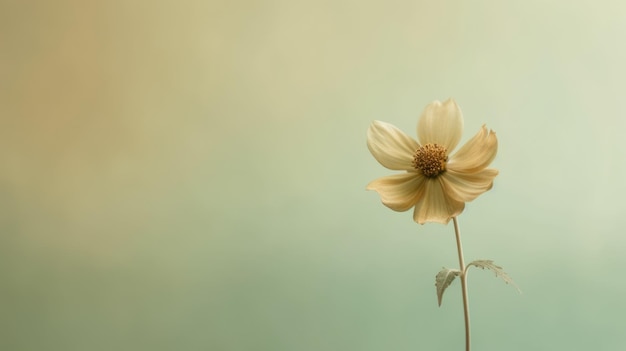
<point>435,184</point>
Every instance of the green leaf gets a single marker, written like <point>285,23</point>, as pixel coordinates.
<point>443,280</point>
<point>482,264</point>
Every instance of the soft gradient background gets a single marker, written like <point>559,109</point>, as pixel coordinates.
<point>190,175</point>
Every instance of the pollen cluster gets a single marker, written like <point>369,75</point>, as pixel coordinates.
<point>430,159</point>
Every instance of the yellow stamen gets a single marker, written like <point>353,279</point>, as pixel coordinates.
<point>430,159</point>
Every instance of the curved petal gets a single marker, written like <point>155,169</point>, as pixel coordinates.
<point>436,205</point>
<point>441,123</point>
<point>391,147</point>
<point>467,186</point>
<point>477,153</point>
<point>399,192</point>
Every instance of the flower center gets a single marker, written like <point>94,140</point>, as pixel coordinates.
<point>430,159</point>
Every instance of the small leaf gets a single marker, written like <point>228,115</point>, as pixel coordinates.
<point>443,280</point>
<point>482,264</point>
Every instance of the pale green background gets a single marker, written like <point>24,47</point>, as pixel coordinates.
<point>180,175</point>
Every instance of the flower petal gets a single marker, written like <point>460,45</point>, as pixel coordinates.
<point>467,186</point>
<point>399,192</point>
<point>391,147</point>
<point>477,153</point>
<point>441,123</point>
<point>436,205</point>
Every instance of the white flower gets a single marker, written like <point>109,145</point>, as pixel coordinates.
<point>435,184</point>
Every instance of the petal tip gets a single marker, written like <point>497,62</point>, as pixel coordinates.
<point>450,101</point>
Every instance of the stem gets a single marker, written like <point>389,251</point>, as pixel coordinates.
<point>463,276</point>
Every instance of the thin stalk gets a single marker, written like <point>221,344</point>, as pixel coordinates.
<point>463,277</point>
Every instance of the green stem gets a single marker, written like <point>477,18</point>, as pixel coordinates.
<point>463,277</point>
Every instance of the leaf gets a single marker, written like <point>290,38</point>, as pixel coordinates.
<point>443,280</point>
<point>482,264</point>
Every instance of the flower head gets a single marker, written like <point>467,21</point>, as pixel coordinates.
<point>435,183</point>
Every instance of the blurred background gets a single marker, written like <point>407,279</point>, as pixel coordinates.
<point>190,175</point>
